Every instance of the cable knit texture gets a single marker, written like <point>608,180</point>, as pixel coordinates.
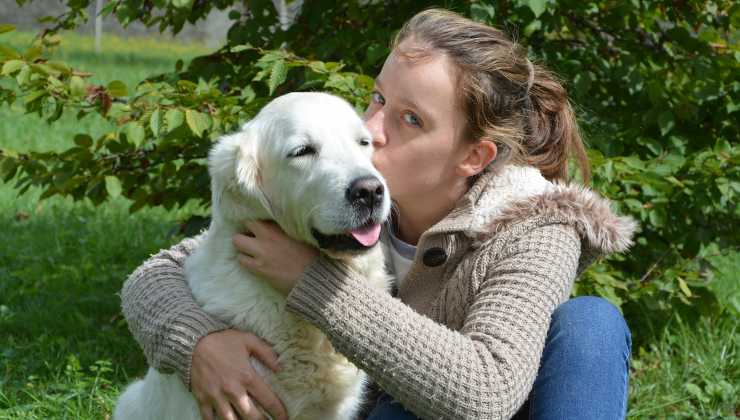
<point>464,335</point>
<point>162,313</point>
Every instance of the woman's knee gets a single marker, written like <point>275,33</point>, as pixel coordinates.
<point>593,323</point>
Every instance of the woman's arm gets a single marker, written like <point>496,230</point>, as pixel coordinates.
<point>176,334</point>
<point>487,369</point>
<point>161,311</point>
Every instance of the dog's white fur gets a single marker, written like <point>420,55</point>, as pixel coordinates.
<point>255,175</point>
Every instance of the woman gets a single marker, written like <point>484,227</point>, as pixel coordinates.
<point>485,242</point>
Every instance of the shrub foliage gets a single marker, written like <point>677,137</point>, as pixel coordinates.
<point>655,84</point>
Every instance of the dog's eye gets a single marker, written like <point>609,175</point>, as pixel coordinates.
<point>303,151</point>
<point>364,142</point>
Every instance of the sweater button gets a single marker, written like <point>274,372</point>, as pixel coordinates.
<point>434,257</point>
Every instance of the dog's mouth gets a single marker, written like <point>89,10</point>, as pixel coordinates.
<point>357,239</point>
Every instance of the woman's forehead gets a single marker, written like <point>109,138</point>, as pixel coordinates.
<point>428,82</point>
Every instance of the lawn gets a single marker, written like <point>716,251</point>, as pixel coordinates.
<point>66,351</point>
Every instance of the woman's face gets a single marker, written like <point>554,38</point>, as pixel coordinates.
<point>416,125</point>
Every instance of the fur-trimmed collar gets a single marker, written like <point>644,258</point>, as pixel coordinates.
<point>511,194</point>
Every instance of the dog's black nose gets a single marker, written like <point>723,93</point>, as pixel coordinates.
<point>366,191</point>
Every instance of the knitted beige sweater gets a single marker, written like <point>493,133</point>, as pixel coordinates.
<point>464,335</point>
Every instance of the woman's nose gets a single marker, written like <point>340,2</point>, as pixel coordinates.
<point>374,123</point>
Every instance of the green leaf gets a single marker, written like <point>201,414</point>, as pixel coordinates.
<point>83,140</point>
<point>174,118</point>
<point>197,121</point>
<point>665,121</point>
<point>33,53</point>
<point>8,52</point>
<point>537,6</point>
<point>32,96</point>
<point>277,75</point>
<point>240,48</point>
<point>6,28</point>
<point>181,4</point>
<point>117,89</point>
<point>135,133</point>
<point>684,287</point>
<point>76,86</point>
<point>155,122</point>
<point>113,186</point>
<point>482,12</point>
<point>12,66</point>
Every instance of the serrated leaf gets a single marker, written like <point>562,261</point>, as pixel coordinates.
<point>12,66</point>
<point>155,121</point>
<point>135,133</point>
<point>76,86</point>
<point>6,28</point>
<point>197,121</point>
<point>117,89</point>
<point>277,75</point>
<point>174,118</point>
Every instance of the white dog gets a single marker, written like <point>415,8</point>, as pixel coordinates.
<point>303,161</point>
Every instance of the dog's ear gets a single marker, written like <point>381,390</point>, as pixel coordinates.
<point>235,183</point>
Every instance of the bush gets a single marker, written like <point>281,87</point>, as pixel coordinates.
<point>655,84</point>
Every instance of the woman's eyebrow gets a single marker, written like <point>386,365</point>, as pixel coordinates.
<point>413,105</point>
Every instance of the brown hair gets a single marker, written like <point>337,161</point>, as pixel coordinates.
<point>520,106</point>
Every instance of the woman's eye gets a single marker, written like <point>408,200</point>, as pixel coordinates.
<point>412,119</point>
<point>303,151</point>
<point>378,98</point>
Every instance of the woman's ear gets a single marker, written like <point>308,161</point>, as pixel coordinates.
<point>479,155</point>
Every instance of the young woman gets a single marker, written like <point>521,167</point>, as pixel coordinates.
<point>485,241</point>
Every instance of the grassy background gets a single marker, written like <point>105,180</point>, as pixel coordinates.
<point>66,351</point>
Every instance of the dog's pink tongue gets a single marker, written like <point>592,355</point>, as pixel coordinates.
<point>367,235</point>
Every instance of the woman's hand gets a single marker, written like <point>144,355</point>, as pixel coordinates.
<point>222,379</point>
<point>269,252</point>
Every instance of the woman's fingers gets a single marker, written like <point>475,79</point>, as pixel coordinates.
<point>245,244</point>
<point>248,262</point>
<point>246,408</point>
<point>261,392</point>
<point>262,351</point>
<point>224,411</point>
<point>206,411</point>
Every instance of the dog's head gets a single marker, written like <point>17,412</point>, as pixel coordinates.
<point>303,161</point>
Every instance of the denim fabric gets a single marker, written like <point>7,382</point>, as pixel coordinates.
<point>584,371</point>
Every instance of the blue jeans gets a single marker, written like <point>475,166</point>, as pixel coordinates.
<point>584,369</point>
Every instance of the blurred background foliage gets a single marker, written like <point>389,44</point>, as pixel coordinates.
<point>655,85</point>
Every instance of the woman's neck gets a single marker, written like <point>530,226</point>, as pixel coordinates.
<point>416,215</point>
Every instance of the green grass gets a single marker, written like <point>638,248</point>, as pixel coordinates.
<point>690,373</point>
<point>66,351</point>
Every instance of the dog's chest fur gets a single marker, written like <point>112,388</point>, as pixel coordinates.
<point>315,380</point>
